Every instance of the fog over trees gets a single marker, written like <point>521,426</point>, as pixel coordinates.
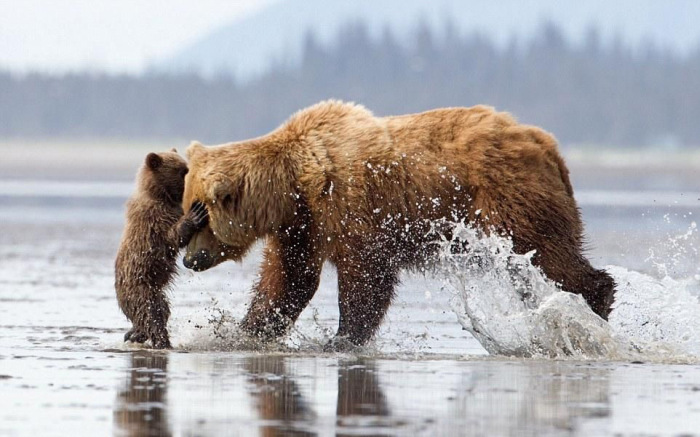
<point>593,93</point>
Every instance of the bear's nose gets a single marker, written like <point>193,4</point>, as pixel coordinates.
<point>199,261</point>
<point>188,261</point>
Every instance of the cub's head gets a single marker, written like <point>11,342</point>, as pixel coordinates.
<point>163,176</point>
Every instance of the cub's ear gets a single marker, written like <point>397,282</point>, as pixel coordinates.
<point>195,148</point>
<point>153,161</point>
<point>174,150</point>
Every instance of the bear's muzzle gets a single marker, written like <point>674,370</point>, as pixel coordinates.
<point>198,261</point>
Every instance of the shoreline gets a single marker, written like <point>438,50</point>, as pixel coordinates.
<point>120,158</point>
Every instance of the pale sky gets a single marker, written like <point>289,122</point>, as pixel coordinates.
<point>106,35</point>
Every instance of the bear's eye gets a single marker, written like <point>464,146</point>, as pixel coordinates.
<point>232,199</point>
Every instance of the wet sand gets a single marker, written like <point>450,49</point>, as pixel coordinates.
<point>65,371</point>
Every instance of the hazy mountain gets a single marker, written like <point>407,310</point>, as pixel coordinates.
<point>276,35</point>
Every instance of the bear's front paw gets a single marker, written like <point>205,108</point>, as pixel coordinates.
<point>340,344</point>
<point>135,336</point>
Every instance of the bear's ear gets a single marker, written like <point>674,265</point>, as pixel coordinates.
<point>219,188</point>
<point>153,161</point>
<point>174,150</point>
<point>223,189</point>
<point>195,148</point>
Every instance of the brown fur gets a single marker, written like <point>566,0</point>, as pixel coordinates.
<point>146,261</point>
<point>335,183</point>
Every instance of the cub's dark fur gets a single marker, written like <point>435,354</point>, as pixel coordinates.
<point>155,231</point>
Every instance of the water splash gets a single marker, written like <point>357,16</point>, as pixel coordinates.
<point>512,309</point>
<point>505,302</point>
<point>659,314</point>
<point>214,328</point>
<point>670,256</point>
<point>210,329</point>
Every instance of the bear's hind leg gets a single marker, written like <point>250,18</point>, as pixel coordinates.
<point>156,323</point>
<point>132,302</point>
<point>148,309</point>
<point>598,289</point>
<point>578,276</point>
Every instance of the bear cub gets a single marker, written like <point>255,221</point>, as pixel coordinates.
<point>155,231</point>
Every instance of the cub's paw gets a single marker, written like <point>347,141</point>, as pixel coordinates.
<point>194,221</point>
<point>198,215</point>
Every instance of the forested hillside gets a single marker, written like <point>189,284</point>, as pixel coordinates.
<point>590,93</point>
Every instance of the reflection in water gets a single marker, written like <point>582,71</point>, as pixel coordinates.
<point>360,397</point>
<point>277,398</point>
<point>569,397</point>
<point>140,409</point>
<point>277,395</point>
<point>535,399</point>
<point>283,410</point>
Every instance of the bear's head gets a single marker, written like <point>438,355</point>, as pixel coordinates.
<point>246,195</point>
<point>163,176</point>
<point>205,251</point>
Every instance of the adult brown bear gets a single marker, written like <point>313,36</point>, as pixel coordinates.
<point>335,183</point>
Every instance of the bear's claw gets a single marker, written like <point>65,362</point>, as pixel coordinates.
<point>199,215</point>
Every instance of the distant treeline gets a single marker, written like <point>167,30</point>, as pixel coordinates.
<point>588,93</point>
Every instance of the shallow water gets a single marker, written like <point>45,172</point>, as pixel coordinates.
<point>65,371</point>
